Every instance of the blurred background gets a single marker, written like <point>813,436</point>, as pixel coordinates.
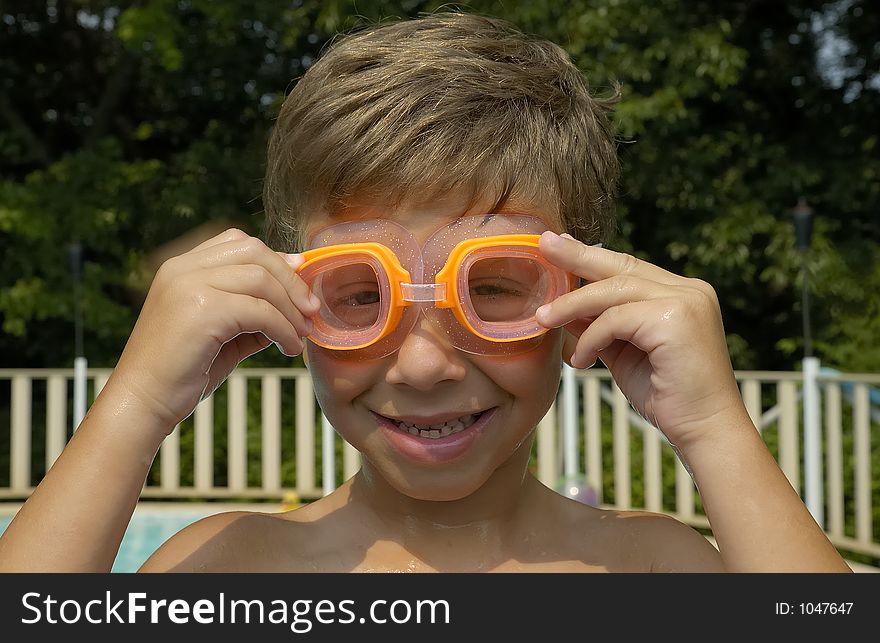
<point>127,125</point>
<point>132,131</point>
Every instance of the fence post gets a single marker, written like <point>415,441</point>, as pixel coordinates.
<point>20,443</point>
<point>813,478</point>
<point>80,382</point>
<point>547,471</point>
<point>328,455</point>
<point>569,421</point>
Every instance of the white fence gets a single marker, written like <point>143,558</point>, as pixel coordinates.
<point>232,449</point>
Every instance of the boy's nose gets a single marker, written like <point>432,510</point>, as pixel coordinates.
<point>426,358</point>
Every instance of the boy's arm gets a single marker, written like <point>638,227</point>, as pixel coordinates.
<point>662,338</point>
<point>757,518</point>
<point>75,519</point>
<point>206,311</point>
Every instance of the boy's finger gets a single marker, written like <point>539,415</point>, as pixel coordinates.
<point>595,263</point>
<point>232,234</point>
<point>620,323</point>
<point>247,314</point>
<point>593,299</point>
<point>233,352</point>
<point>251,280</point>
<point>253,251</point>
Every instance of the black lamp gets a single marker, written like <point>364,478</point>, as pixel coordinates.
<point>803,232</point>
<point>75,251</point>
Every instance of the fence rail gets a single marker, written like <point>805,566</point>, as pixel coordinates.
<point>235,447</point>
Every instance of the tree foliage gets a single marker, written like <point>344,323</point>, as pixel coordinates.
<point>124,124</point>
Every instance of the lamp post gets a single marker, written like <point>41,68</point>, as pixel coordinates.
<point>80,364</point>
<point>803,232</point>
<point>573,484</point>
<point>813,476</point>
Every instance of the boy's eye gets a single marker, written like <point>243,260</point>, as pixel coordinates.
<point>361,298</point>
<point>355,306</point>
<point>351,294</point>
<point>502,300</point>
<point>494,290</point>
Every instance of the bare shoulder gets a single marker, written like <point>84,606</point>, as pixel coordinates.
<point>226,541</point>
<point>626,541</point>
<point>671,545</point>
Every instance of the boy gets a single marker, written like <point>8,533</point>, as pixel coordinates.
<point>401,146</point>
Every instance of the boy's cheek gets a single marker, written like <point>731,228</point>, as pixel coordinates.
<point>545,360</point>
<point>337,377</point>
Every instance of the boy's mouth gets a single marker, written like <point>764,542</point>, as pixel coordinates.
<point>435,439</point>
<point>436,429</point>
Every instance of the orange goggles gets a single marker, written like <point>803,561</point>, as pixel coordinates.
<point>479,280</point>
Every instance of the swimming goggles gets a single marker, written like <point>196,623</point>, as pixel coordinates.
<point>479,280</point>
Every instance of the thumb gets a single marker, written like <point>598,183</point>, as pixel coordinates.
<point>231,354</point>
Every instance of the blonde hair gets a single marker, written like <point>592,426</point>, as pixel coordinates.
<point>450,101</point>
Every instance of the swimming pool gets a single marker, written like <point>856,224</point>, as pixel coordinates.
<point>151,525</point>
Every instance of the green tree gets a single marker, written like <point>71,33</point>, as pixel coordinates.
<point>124,124</point>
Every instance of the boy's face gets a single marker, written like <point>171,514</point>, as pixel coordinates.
<point>428,378</point>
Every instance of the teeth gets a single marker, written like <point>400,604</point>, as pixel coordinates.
<point>440,430</point>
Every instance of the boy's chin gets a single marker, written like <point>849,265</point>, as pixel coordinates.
<point>432,491</point>
<point>439,495</point>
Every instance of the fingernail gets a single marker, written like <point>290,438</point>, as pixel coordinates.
<point>278,346</point>
<point>550,237</point>
<point>314,301</point>
<point>293,260</point>
<point>542,312</point>
<point>567,236</point>
<point>579,363</point>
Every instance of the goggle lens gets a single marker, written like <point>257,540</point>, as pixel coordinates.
<point>350,296</point>
<point>506,289</point>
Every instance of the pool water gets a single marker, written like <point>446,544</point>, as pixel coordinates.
<point>146,533</point>
<point>147,530</point>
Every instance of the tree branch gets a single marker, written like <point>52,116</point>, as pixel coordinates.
<point>36,149</point>
<point>114,90</point>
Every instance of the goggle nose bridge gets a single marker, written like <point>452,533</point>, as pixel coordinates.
<point>422,293</point>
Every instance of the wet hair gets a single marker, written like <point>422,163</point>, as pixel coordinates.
<point>414,109</point>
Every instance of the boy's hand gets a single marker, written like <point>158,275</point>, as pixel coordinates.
<point>206,311</point>
<point>659,334</point>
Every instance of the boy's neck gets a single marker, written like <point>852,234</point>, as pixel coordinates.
<point>499,526</point>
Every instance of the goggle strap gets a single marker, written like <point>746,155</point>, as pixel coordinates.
<point>423,292</point>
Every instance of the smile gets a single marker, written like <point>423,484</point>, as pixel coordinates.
<point>438,430</point>
<point>437,439</point>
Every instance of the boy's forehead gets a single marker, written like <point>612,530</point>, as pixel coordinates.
<point>423,219</point>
